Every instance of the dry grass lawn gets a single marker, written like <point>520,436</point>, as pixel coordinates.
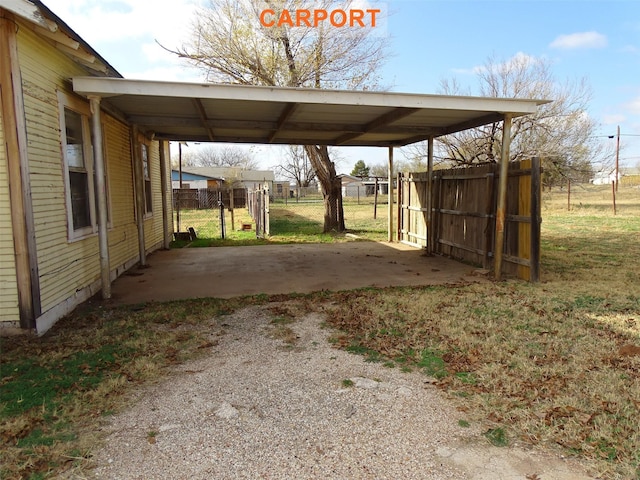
<point>555,363</point>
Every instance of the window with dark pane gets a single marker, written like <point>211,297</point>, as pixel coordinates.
<point>78,175</point>
<point>148,205</point>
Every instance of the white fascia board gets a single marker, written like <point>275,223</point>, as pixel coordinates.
<point>109,87</point>
<point>30,12</point>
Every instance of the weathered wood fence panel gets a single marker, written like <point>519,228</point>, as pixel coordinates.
<point>186,198</point>
<point>464,202</point>
<point>258,206</point>
<point>412,207</point>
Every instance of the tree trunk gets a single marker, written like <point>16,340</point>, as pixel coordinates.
<point>331,187</point>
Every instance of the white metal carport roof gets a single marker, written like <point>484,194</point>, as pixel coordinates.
<point>277,115</point>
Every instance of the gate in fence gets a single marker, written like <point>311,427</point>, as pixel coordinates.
<point>456,215</point>
<point>258,205</point>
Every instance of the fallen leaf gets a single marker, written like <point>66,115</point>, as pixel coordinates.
<point>629,351</point>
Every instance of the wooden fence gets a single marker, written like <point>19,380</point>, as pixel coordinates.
<point>462,203</point>
<point>258,206</point>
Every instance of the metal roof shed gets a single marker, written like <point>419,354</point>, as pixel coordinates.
<point>203,112</point>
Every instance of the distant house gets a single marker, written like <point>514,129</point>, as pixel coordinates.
<point>251,179</point>
<point>604,178</point>
<point>370,187</point>
<point>281,189</point>
<point>358,187</point>
<point>352,186</point>
<point>194,180</point>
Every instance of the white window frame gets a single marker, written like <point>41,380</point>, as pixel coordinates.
<point>80,107</point>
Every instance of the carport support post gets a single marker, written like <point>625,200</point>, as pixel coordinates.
<point>101,193</point>
<point>429,193</point>
<point>139,192</point>
<point>502,195</point>
<point>390,194</point>
<point>17,165</point>
<point>167,209</point>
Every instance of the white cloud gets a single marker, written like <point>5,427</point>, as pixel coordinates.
<point>107,21</point>
<point>613,119</point>
<point>519,59</point>
<point>633,106</point>
<point>580,40</point>
<point>125,32</point>
<point>168,73</point>
<point>630,49</point>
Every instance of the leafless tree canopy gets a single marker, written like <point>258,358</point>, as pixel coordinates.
<point>213,156</point>
<point>561,132</point>
<point>230,45</point>
<point>296,167</point>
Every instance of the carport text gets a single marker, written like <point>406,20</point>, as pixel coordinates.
<point>313,18</point>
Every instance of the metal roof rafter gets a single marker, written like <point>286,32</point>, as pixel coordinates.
<point>282,120</point>
<point>383,120</point>
<point>202,113</point>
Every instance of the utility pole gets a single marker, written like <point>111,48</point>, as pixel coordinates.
<point>618,159</point>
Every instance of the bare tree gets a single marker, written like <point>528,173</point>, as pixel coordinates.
<point>561,132</point>
<point>217,156</point>
<point>226,156</point>
<point>230,45</point>
<point>296,167</point>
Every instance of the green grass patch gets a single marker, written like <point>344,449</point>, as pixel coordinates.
<point>432,364</point>
<point>370,355</point>
<point>54,390</point>
<point>497,437</point>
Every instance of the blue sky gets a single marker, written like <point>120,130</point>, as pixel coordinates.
<point>429,40</point>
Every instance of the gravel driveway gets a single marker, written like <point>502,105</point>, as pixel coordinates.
<point>258,408</point>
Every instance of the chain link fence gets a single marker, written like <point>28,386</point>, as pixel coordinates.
<point>204,210</point>
<point>303,212</point>
<point>299,213</point>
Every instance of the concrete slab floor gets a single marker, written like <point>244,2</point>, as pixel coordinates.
<point>226,272</point>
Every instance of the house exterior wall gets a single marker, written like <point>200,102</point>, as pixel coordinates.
<point>153,224</point>
<point>69,269</point>
<point>63,267</point>
<point>122,232</point>
<point>8,284</point>
<point>197,184</point>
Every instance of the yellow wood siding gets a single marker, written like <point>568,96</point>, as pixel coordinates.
<point>123,233</point>
<point>64,267</point>
<point>153,225</point>
<point>67,267</point>
<point>8,285</point>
